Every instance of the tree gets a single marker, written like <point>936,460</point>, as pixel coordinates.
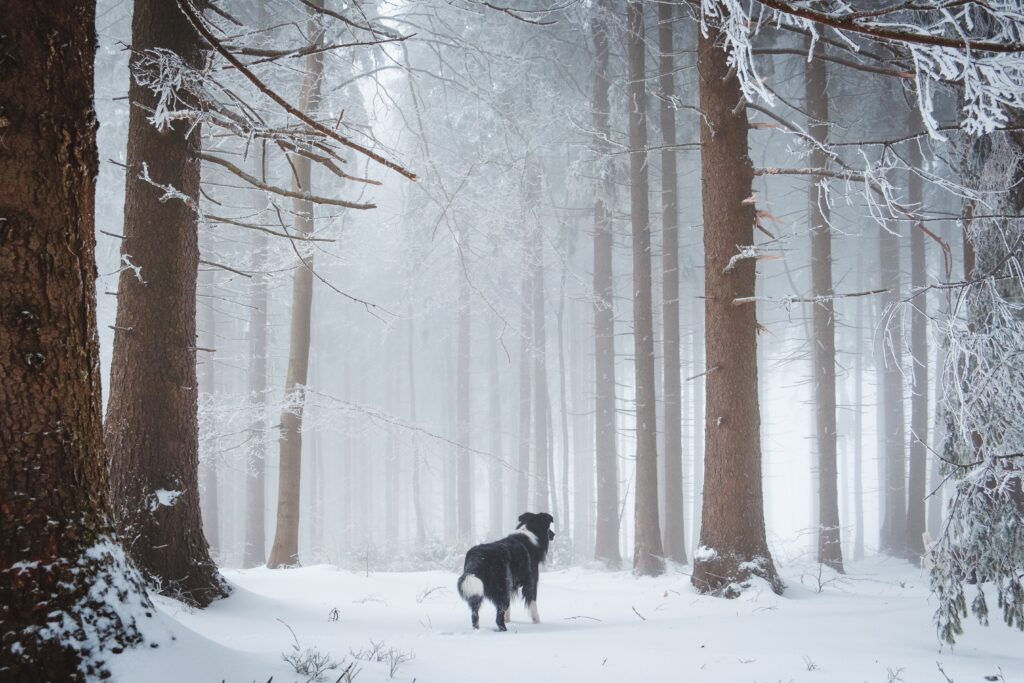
<point>68,594</point>
<point>464,466</point>
<point>151,422</point>
<point>917,481</point>
<point>983,538</point>
<point>732,542</point>
<point>647,554</point>
<point>675,528</point>
<point>606,542</point>
<point>285,550</point>
<point>830,548</point>
<point>541,407</point>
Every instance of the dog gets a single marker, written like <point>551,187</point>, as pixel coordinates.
<point>497,570</point>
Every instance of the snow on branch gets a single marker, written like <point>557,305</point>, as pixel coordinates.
<point>973,46</point>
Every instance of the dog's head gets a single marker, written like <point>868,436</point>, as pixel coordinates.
<point>539,524</point>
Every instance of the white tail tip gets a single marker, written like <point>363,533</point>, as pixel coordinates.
<point>471,586</point>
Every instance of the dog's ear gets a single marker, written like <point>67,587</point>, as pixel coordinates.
<point>526,517</point>
<point>546,518</point>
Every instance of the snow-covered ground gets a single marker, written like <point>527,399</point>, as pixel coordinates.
<point>872,625</point>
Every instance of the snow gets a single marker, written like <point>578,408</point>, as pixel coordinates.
<point>164,498</point>
<point>875,624</point>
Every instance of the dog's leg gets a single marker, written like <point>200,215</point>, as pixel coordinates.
<point>502,617</point>
<point>474,606</point>
<point>530,594</point>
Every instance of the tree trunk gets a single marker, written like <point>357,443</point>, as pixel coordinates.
<point>830,549</point>
<point>858,427</point>
<point>255,553</point>
<point>606,540</point>
<point>59,611</point>
<point>151,423</point>
<point>647,551</point>
<point>733,544</point>
<point>496,495</point>
<point>917,483</point>
<point>675,527</point>
<point>417,464</point>
<point>525,365</point>
<point>894,523</point>
<point>562,402</point>
<point>209,498</point>
<point>464,471</point>
<point>541,453</point>
<point>285,550</point>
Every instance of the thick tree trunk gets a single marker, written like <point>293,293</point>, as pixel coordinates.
<point>464,471</point>
<point>285,550</point>
<point>647,551</point>
<point>733,544</point>
<point>151,422</point>
<point>917,483</point>
<point>830,549</point>
<point>606,540</point>
<point>209,496</point>
<point>675,527</point>
<point>894,522</point>
<point>59,563</point>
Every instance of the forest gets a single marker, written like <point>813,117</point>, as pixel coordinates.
<point>302,299</point>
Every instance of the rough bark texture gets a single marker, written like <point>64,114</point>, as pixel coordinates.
<point>917,482</point>
<point>606,541</point>
<point>61,575</point>
<point>285,550</point>
<point>830,549</point>
<point>647,551</point>
<point>675,528</point>
<point>151,422</point>
<point>464,467</point>
<point>209,494</point>
<point>733,544</point>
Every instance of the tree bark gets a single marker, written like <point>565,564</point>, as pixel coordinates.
<point>285,550</point>
<point>151,422</point>
<point>858,426</point>
<point>67,594</point>
<point>209,498</point>
<point>606,540</point>
<point>648,555</point>
<point>830,549</point>
<point>733,544</point>
<point>917,483</point>
<point>675,526</point>
<point>894,523</point>
<point>255,552</point>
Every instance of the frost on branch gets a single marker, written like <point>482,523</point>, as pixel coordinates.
<point>982,541</point>
<point>991,83</point>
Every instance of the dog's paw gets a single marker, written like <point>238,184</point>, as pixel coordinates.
<point>534,614</point>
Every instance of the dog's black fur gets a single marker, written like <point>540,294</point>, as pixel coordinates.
<point>497,570</point>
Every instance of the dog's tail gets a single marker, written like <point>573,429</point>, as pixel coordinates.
<point>470,587</point>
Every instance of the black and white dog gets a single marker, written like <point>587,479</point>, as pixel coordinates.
<point>497,570</point>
